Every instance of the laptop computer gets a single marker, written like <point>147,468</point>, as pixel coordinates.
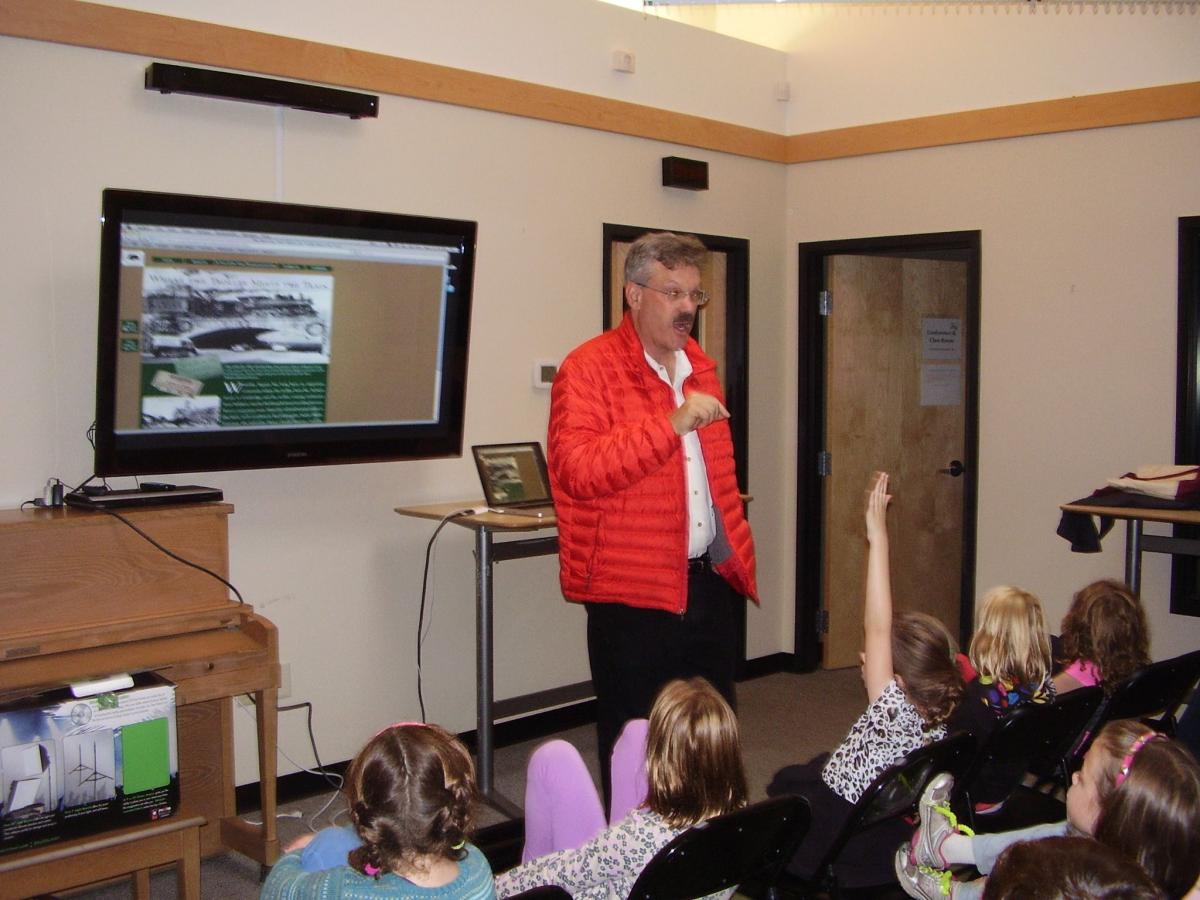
<point>514,479</point>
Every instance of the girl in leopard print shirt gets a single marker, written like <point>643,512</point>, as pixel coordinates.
<point>913,684</point>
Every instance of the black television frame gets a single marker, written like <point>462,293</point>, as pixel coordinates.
<point>164,452</point>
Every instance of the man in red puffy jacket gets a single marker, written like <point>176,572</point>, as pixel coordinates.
<point>653,537</point>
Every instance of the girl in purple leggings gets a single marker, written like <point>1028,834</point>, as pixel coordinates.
<point>681,767</point>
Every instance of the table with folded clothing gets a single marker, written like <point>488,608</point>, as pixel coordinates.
<point>1078,526</point>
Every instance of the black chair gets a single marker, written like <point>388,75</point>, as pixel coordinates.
<point>1156,690</point>
<point>889,797</point>
<point>1035,737</point>
<point>543,892</point>
<point>750,844</point>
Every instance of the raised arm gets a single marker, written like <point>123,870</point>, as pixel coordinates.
<point>877,611</point>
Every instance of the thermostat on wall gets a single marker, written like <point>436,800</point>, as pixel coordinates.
<point>544,371</point>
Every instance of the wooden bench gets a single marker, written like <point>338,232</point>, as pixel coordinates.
<point>109,854</point>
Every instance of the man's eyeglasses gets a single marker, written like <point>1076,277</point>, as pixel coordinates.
<point>700,298</point>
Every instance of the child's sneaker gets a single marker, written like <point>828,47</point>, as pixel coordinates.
<point>937,823</point>
<point>922,882</point>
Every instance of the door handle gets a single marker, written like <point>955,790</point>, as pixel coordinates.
<point>954,470</point>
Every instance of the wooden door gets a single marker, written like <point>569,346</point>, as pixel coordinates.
<point>896,352</point>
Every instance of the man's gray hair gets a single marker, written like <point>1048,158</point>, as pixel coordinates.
<point>665,247</point>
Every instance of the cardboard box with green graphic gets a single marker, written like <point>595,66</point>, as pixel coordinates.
<point>72,766</point>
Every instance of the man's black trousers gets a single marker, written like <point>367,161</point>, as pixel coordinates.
<point>634,652</point>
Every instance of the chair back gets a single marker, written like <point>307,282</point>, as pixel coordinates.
<point>753,843</point>
<point>898,788</point>
<point>1159,688</point>
<point>1031,736</point>
<point>1073,711</point>
<point>1154,690</point>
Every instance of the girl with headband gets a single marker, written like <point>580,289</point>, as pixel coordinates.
<point>1138,794</point>
<point>411,797</point>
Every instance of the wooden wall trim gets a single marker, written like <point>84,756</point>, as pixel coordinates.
<point>1133,107</point>
<point>183,40</point>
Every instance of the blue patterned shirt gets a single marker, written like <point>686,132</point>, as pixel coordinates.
<point>289,881</point>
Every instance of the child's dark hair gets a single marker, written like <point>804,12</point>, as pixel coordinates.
<point>923,656</point>
<point>693,755</point>
<point>411,793</point>
<point>1106,625</point>
<point>1149,801</point>
<point>1067,868</point>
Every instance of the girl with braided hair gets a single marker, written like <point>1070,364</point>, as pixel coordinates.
<point>411,796</point>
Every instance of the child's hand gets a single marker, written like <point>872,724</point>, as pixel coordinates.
<point>877,504</point>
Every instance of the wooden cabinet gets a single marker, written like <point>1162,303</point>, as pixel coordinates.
<point>82,594</point>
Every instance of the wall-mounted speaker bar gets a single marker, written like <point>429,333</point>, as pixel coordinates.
<point>171,79</point>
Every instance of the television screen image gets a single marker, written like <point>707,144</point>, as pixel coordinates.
<point>244,334</point>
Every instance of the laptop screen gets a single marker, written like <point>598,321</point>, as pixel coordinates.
<point>513,474</point>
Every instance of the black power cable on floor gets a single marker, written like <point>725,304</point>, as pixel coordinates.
<point>447,519</point>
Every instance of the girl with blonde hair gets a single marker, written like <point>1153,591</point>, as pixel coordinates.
<point>678,769</point>
<point>1011,656</point>
<point>1010,650</point>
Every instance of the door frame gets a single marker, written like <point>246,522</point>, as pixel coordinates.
<point>964,246</point>
<point>1185,570</point>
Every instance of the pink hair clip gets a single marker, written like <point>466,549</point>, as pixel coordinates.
<point>1134,749</point>
<point>371,870</point>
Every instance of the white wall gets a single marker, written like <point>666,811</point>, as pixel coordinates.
<point>856,63</point>
<point>319,550</point>
<point>1079,297</point>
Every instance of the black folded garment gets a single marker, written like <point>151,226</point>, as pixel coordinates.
<point>1081,530</point>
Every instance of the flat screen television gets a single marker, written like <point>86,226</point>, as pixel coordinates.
<point>239,334</point>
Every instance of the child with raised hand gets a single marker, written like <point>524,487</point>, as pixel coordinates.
<point>1138,794</point>
<point>1104,637</point>
<point>913,684</point>
<point>411,797</point>
<point>691,770</point>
